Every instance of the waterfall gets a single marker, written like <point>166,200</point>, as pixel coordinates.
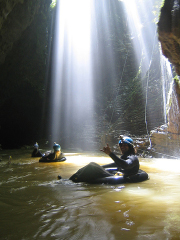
<point>167,81</point>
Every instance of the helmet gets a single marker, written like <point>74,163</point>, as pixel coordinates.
<point>125,139</point>
<point>36,145</point>
<point>56,147</point>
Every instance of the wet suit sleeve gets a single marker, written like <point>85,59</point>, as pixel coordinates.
<point>131,161</point>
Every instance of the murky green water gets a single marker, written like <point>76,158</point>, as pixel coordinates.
<point>35,205</point>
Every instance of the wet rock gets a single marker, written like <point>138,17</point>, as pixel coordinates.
<point>165,139</point>
<point>169,32</point>
<point>165,143</point>
<point>15,17</point>
<point>174,109</point>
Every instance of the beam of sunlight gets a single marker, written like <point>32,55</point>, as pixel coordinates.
<point>137,20</point>
<point>144,36</point>
<point>72,85</point>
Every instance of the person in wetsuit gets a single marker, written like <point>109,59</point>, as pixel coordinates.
<point>36,152</point>
<point>56,156</point>
<point>128,163</point>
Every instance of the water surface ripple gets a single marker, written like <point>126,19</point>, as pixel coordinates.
<point>34,204</point>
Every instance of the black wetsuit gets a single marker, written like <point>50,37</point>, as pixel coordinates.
<point>127,163</point>
<point>51,158</point>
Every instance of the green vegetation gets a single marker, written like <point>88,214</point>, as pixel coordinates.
<point>176,79</point>
<point>53,4</point>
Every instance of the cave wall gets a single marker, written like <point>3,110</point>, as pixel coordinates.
<point>24,43</point>
<point>23,57</point>
<point>166,139</point>
<point>169,32</point>
<point>169,37</point>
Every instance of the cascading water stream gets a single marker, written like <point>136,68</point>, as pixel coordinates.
<point>167,76</point>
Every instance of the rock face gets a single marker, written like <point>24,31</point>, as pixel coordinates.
<point>16,16</point>
<point>166,139</point>
<point>169,32</point>
<point>23,55</point>
<point>164,143</point>
<point>174,110</point>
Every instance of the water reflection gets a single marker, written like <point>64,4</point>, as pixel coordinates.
<point>35,205</point>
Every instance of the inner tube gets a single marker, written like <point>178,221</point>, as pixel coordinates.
<point>115,179</point>
<point>94,173</point>
<point>47,160</point>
